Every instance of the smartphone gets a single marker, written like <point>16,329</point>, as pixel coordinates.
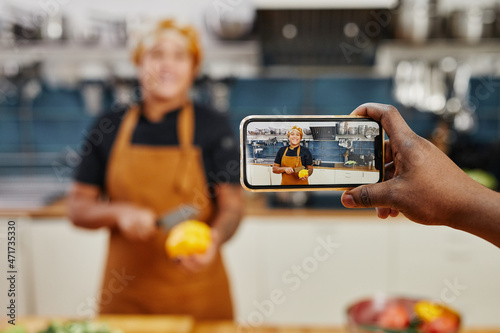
<point>310,153</point>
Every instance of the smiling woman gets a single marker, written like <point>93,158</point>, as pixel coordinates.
<point>294,162</point>
<point>163,155</point>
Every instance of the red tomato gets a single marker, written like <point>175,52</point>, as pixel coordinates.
<point>394,316</point>
<point>444,324</point>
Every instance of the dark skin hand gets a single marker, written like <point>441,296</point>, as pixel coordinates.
<point>423,184</point>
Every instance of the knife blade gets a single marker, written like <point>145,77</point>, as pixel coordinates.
<point>177,215</point>
<point>297,169</point>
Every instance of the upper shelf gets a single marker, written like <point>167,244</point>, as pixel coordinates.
<point>483,57</point>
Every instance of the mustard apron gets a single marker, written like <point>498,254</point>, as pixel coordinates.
<point>292,162</point>
<point>160,178</point>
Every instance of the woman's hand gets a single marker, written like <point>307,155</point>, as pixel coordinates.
<point>197,262</point>
<point>135,223</point>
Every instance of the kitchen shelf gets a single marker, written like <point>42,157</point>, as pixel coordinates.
<point>389,53</point>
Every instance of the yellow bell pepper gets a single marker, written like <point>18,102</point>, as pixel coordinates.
<point>303,173</point>
<point>428,311</point>
<point>188,238</point>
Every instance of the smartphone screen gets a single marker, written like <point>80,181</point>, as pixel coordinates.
<point>310,153</point>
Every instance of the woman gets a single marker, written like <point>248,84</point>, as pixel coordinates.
<point>148,160</point>
<point>290,159</point>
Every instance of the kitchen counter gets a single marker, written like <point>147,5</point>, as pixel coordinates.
<point>180,324</point>
<point>55,209</point>
<point>338,166</point>
<point>255,205</point>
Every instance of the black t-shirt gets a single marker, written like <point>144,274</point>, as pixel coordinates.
<point>213,135</point>
<point>305,155</point>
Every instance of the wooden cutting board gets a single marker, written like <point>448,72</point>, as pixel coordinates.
<point>231,327</point>
<point>125,323</point>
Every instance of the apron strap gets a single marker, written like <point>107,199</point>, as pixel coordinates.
<point>185,126</point>
<point>286,150</point>
<point>298,157</point>
<point>126,129</point>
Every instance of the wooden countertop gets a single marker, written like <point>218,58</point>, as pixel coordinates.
<point>342,167</point>
<point>230,327</point>
<point>125,323</point>
<point>185,324</point>
<point>255,205</point>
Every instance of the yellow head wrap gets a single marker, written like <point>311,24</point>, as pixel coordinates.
<point>187,31</point>
<point>295,128</point>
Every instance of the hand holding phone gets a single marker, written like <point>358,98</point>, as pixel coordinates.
<point>336,152</point>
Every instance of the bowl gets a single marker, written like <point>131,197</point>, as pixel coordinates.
<point>384,314</point>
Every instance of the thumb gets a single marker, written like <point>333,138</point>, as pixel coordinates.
<point>367,196</point>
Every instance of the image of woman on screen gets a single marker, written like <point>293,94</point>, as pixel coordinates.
<point>295,162</point>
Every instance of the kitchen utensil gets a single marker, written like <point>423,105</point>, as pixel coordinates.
<point>180,214</point>
<point>232,23</point>
<point>468,23</point>
<point>323,132</point>
<point>362,129</point>
<point>417,20</point>
<point>342,128</point>
<point>297,169</point>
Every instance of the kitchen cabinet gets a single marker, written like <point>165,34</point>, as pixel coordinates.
<point>322,176</point>
<point>67,264</point>
<point>260,174</point>
<point>356,177</point>
<point>267,256</point>
<point>370,177</point>
<point>275,178</point>
<point>349,177</point>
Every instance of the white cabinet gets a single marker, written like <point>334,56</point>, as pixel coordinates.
<point>356,177</point>
<point>260,174</point>
<point>284,255</point>
<point>67,266</point>
<point>370,177</point>
<point>275,178</point>
<point>448,265</point>
<point>349,177</point>
<point>322,177</point>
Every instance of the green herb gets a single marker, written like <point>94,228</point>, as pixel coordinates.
<point>79,327</point>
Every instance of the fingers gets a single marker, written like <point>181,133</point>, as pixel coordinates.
<point>367,196</point>
<point>384,213</point>
<point>388,151</point>
<point>390,170</point>
<point>390,118</point>
<point>190,264</point>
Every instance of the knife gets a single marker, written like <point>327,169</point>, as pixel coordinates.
<point>177,215</point>
<point>297,169</point>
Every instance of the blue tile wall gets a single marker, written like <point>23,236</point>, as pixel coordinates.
<point>265,97</point>
<point>324,150</point>
<point>59,115</point>
<point>485,97</point>
<point>9,136</point>
<point>324,96</point>
<point>341,96</point>
<point>58,104</point>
